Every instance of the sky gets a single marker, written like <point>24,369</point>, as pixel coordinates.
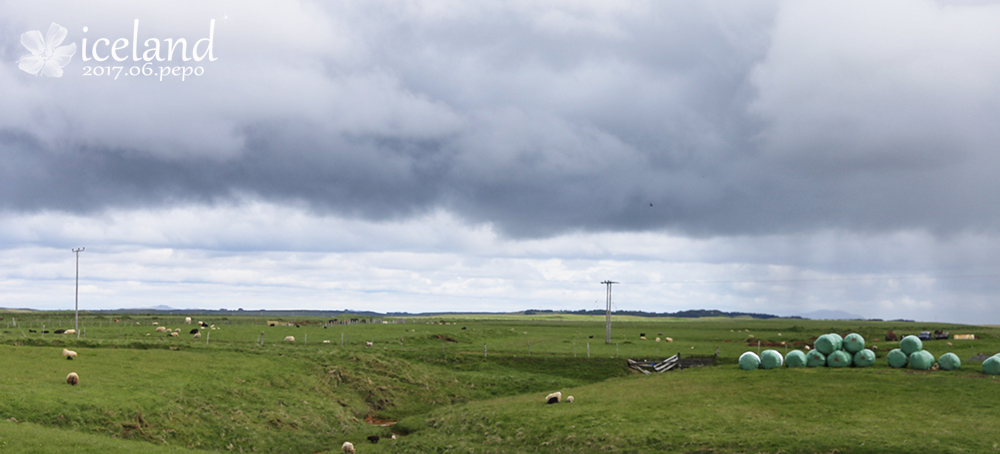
<point>453,155</point>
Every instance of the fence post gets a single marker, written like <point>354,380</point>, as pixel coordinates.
<point>588,349</point>
<point>209,336</point>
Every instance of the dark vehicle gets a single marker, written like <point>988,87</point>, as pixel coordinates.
<point>938,334</point>
<point>925,335</point>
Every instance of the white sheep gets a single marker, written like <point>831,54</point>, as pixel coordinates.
<point>197,335</point>
<point>369,344</point>
<point>73,378</point>
<point>553,398</point>
<point>289,338</point>
<point>178,330</point>
<point>326,342</point>
<point>187,320</point>
<point>156,323</point>
<point>669,339</point>
<point>570,399</point>
<point>69,354</point>
<point>348,447</point>
<point>657,339</point>
<point>70,331</point>
<point>160,329</point>
<point>174,334</point>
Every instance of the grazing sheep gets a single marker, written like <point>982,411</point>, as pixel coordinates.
<point>193,331</point>
<point>348,447</point>
<point>642,337</point>
<point>160,329</point>
<point>642,334</point>
<point>70,331</point>
<point>203,324</point>
<point>156,323</point>
<point>553,398</point>
<point>174,334</point>
<point>392,436</point>
<point>73,378</point>
<point>369,344</point>
<point>60,331</point>
<point>32,331</point>
<point>187,320</point>
<point>669,339</point>
<point>69,354</point>
<point>289,338</point>
<point>197,335</point>
<point>570,399</point>
<point>137,323</point>
<point>326,342</point>
<point>373,438</point>
<point>657,339</point>
<point>178,330</point>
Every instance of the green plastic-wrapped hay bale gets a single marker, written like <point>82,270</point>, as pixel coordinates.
<point>896,358</point>
<point>864,358</point>
<point>749,361</point>
<point>828,343</point>
<point>921,360</point>
<point>815,358</point>
<point>838,358</point>
<point>992,365</point>
<point>911,344</point>
<point>949,361</point>
<point>854,343</point>
<point>795,358</point>
<point>771,359</point>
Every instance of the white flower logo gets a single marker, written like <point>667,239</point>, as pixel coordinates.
<point>47,57</point>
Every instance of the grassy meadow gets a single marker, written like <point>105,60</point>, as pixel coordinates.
<point>475,383</point>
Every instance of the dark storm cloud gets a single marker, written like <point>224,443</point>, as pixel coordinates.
<point>704,118</point>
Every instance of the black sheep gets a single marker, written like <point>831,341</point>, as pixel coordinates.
<point>373,438</point>
<point>194,331</point>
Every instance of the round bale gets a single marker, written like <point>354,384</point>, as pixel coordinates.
<point>854,343</point>
<point>897,359</point>
<point>815,358</point>
<point>827,344</point>
<point>771,359</point>
<point>864,358</point>
<point>839,358</point>
<point>749,361</point>
<point>992,365</point>
<point>921,360</point>
<point>949,361</point>
<point>911,344</point>
<point>795,358</point>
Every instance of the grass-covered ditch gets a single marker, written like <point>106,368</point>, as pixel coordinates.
<point>450,393</point>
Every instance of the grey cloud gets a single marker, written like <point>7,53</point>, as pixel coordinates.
<point>701,118</point>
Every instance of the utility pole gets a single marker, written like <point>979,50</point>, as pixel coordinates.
<point>607,320</point>
<point>77,297</point>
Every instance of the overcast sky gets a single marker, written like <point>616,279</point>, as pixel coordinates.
<point>767,156</point>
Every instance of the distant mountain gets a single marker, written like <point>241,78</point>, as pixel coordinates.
<point>698,313</point>
<point>831,315</point>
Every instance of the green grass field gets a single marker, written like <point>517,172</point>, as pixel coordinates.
<point>475,384</point>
